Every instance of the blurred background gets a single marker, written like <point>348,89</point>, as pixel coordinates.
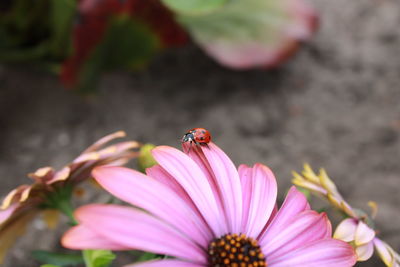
<point>335,104</point>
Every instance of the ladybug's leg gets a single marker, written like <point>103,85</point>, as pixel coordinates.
<point>190,146</point>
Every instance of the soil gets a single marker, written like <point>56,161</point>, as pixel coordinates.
<point>334,105</point>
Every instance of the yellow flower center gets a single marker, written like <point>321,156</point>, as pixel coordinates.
<point>235,251</point>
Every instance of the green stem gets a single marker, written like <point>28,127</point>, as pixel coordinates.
<point>66,208</point>
<point>60,199</point>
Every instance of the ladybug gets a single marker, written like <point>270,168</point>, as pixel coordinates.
<point>199,136</point>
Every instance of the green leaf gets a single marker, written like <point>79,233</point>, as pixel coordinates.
<point>23,31</point>
<point>146,256</point>
<point>61,18</point>
<point>98,258</point>
<point>58,259</point>
<point>127,44</point>
<point>258,23</point>
<point>24,54</point>
<point>49,265</point>
<point>195,7</point>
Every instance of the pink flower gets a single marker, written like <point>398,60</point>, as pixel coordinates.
<point>358,233</point>
<point>23,203</point>
<point>201,210</point>
<point>358,228</point>
<point>363,238</point>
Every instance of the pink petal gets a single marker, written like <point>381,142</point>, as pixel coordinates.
<point>13,196</point>
<point>306,228</point>
<point>159,174</point>
<point>365,252</point>
<point>364,234</point>
<point>244,171</point>
<point>265,37</point>
<point>228,182</point>
<point>82,237</point>
<point>136,229</point>
<point>148,194</point>
<point>383,251</point>
<point>5,214</point>
<point>346,230</point>
<point>165,263</point>
<point>196,154</point>
<point>295,203</point>
<point>104,140</point>
<point>326,253</point>
<point>272,217</point>
<point>237,55</point>
<point>245,174</point>
<point>305,20</point>
<point>260,198</point>
<point>192,179</point>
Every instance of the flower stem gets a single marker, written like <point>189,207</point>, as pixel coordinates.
<point>60,199</point>
<point>65,207</point>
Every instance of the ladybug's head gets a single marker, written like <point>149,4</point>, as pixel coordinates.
<point>188,137</point>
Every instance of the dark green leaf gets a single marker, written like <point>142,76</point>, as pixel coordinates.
<point>24,31</point>
<point>127,44</point>
<point>60,259</point>
<point>62,14</point>
<point>146,256</point>
<point>23,54</point>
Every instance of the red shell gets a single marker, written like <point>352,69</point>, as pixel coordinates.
<point>201,135</point>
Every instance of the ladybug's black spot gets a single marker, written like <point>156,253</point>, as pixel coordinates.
<point>203,132</point>
<point>201,138</point>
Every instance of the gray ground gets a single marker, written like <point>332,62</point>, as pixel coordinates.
<point>336,104</point>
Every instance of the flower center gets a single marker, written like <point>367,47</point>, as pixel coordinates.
<point>236,251</point>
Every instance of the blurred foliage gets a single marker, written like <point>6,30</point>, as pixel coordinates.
<point>98,258</point>
<point>58,259</point>
<point>80,39</point>
<point>194,7</point>
<point>35,31</point>
<point>119,48</point>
